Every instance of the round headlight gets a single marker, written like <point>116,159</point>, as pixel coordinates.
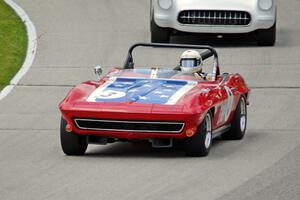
<point>265,4</point>
<point>165,4</point>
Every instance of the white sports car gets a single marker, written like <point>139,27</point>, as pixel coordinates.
<point>213,16</point>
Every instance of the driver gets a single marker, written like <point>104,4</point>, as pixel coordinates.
<point>191,63</point>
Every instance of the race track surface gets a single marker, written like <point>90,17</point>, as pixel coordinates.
<point>76,35</point>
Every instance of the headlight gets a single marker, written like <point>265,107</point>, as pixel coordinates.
<point>165,4</point>
<point>265,4</point>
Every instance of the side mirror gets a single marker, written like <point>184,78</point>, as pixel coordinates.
<point>98,71</point>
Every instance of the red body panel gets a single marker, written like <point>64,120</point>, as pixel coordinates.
<point>190,108</point>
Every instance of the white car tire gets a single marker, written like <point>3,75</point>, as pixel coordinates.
<point>267,37</point>
<point>158,34</point>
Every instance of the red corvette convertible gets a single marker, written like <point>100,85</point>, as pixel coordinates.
<point>162,106</point>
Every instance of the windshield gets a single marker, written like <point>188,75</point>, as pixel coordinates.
<point>154,73</point>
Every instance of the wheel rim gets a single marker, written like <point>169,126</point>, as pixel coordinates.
<point>243,115</point>
<point>208,136</point>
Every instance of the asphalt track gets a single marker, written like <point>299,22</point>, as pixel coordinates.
<point>76,35</point>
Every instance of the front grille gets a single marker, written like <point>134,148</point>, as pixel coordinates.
<point>134,126</point>
<point>214,17</point>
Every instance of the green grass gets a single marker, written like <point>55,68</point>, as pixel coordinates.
<point>13,44</point>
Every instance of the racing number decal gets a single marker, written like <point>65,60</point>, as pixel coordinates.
<point>227,106</point>
<point>110,94</point>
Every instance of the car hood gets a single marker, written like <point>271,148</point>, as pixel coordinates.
<point>141,90</point>
<point>215,4</point>
<point>139,95</point>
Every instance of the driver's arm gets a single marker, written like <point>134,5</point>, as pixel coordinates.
<point>177,68</point>
<point>200,75</point>
<point>203,75</point>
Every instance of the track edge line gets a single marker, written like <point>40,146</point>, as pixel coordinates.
<point>31,48</point>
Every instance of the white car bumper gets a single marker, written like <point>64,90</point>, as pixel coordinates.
<point>259,19</point>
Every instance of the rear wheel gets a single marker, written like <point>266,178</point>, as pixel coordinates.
<point>158,34</point>
<point>71,143</point>
<point>239,122</point>
<point>267,37</point>
<point>200,143</point>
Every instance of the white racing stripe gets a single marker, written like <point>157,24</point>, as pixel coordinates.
<point>173,99</point>
<point>31,49</point>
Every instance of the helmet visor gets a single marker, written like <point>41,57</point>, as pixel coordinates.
<point>188,62</point>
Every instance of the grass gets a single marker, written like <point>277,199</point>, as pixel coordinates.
<point>13,44</point>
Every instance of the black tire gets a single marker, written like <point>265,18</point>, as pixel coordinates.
<point>71,143</point>
<point>200,143</point>
<point>267,37</point>
<point>158,34</point>
<point>239,122</point>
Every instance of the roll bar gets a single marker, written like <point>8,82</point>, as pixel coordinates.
<point>210,51</point>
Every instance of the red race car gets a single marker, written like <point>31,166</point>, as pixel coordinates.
<point>162,106</point>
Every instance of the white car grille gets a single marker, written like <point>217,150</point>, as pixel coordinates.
<point>214,17</point>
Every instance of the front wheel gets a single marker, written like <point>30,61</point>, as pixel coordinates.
<point>71,143</point>
<point>158,34</point>
<point>200,143</point>
<point>239,122</point>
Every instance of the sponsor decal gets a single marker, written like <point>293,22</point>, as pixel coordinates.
<point>227,106</point>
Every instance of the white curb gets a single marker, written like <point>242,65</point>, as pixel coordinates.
<point>31,49</point>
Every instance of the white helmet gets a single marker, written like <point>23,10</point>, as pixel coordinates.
<point>190,61</point>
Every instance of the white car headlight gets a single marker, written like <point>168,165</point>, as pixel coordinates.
<point>165,4</point>
<point>265,4</point>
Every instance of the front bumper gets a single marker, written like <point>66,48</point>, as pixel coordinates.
<point>259,20</point>
<point>191,122</point>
